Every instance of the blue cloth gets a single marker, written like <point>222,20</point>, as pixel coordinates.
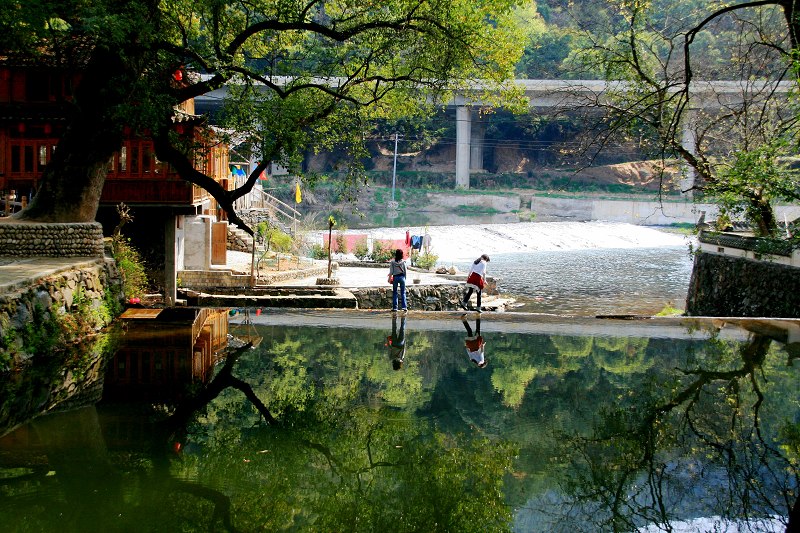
<point>416,242</point>
<point>401,281</point>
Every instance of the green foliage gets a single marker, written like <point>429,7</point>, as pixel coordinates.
<point>473,210</point>
<point>341,240</point>
<point>42,332</point>
<point>398,60</point>
<point>670,310</point>
<point>361,250</point>
<point>734,157</point>
<point>131,267</point>
<point>752,181</point>
<point>276,239</point>
<point>426,260</point>
<point>317,251</point>
<point>381,252</point>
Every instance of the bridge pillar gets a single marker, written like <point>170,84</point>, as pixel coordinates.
<point>463,133</point>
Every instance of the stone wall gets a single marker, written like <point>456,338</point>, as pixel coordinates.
<point>426,297</point>
<point>58,305</point>
<point>19,239</point>
<point>218,278</point>
<point>722,285</point>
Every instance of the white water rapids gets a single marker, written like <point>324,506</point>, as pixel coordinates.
<point>465,243</point>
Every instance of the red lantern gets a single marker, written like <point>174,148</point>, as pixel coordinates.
<point>48,129</point>
<point>177,75</point>
<point>21,127</point>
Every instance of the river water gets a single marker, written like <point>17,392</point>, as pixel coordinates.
<point>570,268</point>
<point>574,425</point>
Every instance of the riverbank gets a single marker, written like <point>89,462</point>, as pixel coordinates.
<point>50,302</point>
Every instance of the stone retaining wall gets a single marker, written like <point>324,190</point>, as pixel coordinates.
<point>237,242</point>
<point>210,279</point>
<point>57,305</point>
<point>722,285</point>
<point>51,239</point>
<point>427,297</point>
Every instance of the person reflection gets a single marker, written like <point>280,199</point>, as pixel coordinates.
<point>474,342</point>
<point>396,343</point>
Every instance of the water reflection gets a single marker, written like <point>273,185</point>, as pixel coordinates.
<point>579,426</point>
<point>164,353</point>
<point>474,343</point>
<point>396,342</point>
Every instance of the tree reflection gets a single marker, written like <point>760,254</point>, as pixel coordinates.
<point>710,438</point>
<point>333,463</point>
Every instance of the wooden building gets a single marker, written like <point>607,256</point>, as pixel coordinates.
<point>34,101</point>
<point>33,107</point>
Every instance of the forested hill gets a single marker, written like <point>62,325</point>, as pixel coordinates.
<point>563,37</point>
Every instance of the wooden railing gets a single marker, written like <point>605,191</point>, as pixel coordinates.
<point>277,209</point>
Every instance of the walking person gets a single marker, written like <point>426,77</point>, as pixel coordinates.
<point>397,273</point>
<point>474,343</point>
<point>475,281</point>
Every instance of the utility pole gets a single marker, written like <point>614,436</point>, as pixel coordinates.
<point>394,168</point>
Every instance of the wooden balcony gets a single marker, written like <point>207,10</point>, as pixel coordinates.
<point>152,191</point>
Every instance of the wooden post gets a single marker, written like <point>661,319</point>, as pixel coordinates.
<point>330,231</point>
<point>253,265</point>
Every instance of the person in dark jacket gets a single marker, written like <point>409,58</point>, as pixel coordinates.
<point>397,270</point>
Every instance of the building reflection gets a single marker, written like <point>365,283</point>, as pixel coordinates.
<point>164,352</point>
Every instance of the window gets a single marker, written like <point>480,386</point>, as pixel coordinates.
<point>134,159</point>
<point>146,159</point>
<point>123,160</point>
<point>16,161</point>
<point>42,156</point>
<point>28,151</point>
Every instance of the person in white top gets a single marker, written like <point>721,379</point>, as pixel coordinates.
<point>475,281</point>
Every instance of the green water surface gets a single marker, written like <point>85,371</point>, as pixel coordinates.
<point>574,425</point>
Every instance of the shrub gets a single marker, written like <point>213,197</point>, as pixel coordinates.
<point>427,260</point>
<point>129,262</point>
<point>275,238</point>
<point>361,250</point>
<point>317,251</point>
<point>341,242</point>
<point>381,252</point>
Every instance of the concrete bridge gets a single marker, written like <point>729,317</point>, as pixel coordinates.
<point>559,94</point>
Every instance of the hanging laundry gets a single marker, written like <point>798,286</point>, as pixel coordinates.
<point>408,238</point>
<point>416,242</point>
<point>426,242</point>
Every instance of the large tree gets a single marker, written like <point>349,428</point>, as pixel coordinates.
<point>302,74</point>
<point>733,137</point>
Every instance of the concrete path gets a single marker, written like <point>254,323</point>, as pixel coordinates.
<point>18,272</point>
<point>349,277</point>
